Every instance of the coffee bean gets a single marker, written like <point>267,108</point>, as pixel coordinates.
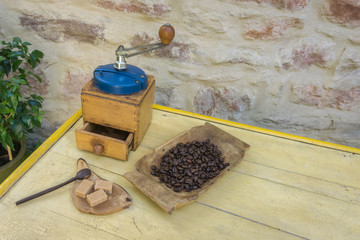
<point>189,181</point>
<point>187,166</point>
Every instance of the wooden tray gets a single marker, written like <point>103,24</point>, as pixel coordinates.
<point>117,201</point>
<point>233,151</point>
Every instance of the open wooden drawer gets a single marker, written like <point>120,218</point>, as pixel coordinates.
<point>103,140</point>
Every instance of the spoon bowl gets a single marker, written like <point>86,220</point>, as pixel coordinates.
<point>83,174</point>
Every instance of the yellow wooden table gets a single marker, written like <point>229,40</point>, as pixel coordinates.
<point>287,187</point>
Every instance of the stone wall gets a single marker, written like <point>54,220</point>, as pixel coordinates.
<point>287,65</point>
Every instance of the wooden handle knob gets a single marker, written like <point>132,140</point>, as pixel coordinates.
<point>166,33</point>
<point>98,148</point>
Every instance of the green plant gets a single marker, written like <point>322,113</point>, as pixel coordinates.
<point>19,113</point>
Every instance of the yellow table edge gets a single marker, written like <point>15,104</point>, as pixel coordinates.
<point>261,130</point>
<point>41,150</point>
<point>9,181</point>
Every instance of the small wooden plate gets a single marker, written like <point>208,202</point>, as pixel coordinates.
<point>118,200</point>
<point>233,151</point>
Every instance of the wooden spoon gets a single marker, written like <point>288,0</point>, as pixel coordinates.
<point>81,174</point>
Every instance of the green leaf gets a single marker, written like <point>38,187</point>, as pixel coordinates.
<point>36,97</point>
<point>6,140</point>
<point>32,61</point>
<point>16,127</point>
<point>15,54</point>
<point>22,71</point>
<point>34,103</point>
<point>21,81</point>
<point>16,64</point>
<point>7,66</point>
<point>27,121</point>
<point>18,136</point>
<point>18,114</point>
<point>39,118</point>
<point>35,57</point>
<point>17,39</point>
<point>4,109</point>
<point>34,108</point>
<point>14,102</point>
<point>36,121</point>
<point>37,54</point>
<point>36,76</point>
<point>3,89</point>
<point>14,88</point>
<point>25,49</point>
<point>15,44</point>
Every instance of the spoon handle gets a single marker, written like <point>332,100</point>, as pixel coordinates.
<point>45,191</point>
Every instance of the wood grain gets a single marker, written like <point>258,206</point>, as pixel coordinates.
<point>282,189</point>
<point>131,113</point>
<point>117,201</point>
<point>233,151</point>
<point>103,145</point>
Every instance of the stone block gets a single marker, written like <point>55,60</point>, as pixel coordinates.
<point>58,30</point>
<point>199,22</point>
<point>302,53</point>
<point>165,96</point>
<point>271,28</point>
<point>246,55</point>
<point>74,81</point>
<point>225,102</point>
<point>321,97</point>
<point>345,12</point>
<point>292,5</point>
<point>152,7</point>
<point>347,71</point>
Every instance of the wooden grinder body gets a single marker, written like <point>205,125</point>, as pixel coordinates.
<point>129,113</point>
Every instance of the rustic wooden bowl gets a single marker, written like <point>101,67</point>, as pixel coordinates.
<point>233,151</point>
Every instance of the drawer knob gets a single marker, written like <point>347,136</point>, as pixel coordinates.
<point>98,148</point>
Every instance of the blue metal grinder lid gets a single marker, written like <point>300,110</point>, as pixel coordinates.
<point>122,82</point>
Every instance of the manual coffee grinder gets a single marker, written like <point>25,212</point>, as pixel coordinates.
<point>117,103</point>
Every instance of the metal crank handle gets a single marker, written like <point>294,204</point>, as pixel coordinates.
<point>166,34</point>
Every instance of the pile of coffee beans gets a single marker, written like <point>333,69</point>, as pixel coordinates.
<point>187,166</point>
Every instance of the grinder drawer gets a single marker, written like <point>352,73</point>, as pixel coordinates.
<point>103,140</point>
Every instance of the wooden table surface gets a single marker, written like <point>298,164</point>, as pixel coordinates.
<point>286,187</point>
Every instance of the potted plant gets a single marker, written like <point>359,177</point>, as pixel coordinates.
<point>19,112</point>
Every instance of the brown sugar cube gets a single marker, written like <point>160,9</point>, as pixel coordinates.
<point>96,197</point>
<point>103,184</point>
<point>84,188</point>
